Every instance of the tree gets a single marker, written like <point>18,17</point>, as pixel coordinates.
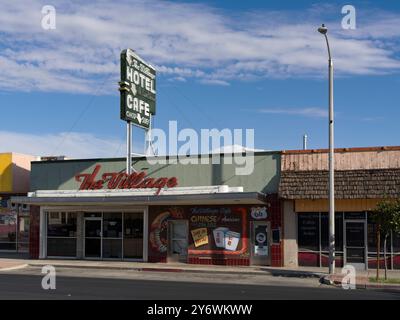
<point>387,219</point>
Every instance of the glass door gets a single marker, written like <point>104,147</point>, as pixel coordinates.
<point>260,243</point>
<point>93,235</point>
<point>355,240</point>
<point>178,241</point>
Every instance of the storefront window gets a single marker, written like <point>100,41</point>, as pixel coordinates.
<point>112,235</point>
<point>61,224</point>
<point>8,229</point>
<point>396,242</point>
<point>112,248</point>
<point>112,225</point>
<point>23,233</point>
<point>61,234</point>
<point>371,234</point>
<point>133,235</point>
<point>308,231</point>
<point>108,235</point>
<point>338,231</point>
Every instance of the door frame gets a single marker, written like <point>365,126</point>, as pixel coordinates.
<point>101,237</point>
<point>364,265</point>
<point>257,260</point>
<point>174,257</point>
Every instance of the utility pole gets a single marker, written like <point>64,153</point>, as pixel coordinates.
<point>323,30</point>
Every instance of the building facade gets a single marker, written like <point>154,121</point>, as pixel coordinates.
<point>363,177</point>
<point>204,213</point>
<point>193,213</point>
<point>14,219</point>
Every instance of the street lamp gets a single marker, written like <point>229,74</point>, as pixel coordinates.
<point>324,30</point>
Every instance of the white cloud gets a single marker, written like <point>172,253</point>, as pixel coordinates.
<point>235,148</point>
<point>184,41</point>
<point>215,82</point>
<point>307,112</point>
<point>72,145</point>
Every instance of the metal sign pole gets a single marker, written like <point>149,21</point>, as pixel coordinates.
<point>148,143</point>
<point>128,147</point>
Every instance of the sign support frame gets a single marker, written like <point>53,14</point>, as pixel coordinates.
<point>128,147</point>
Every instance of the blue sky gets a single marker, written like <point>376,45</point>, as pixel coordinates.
<point>221,64</point>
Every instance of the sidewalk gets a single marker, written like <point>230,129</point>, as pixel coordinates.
<point>362,279</point>
<point>181,267</point>
<point>12,264</point>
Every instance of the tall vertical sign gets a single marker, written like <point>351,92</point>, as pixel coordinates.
<point>138,89</point>
<point>138,96</point>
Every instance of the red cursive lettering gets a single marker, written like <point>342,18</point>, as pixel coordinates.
<point>121,180</point>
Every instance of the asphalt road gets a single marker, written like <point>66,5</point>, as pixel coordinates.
<point>95,284</point>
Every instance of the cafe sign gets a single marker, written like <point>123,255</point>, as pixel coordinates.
<point>138,89</point>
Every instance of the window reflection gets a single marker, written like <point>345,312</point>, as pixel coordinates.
<point>61,234</point>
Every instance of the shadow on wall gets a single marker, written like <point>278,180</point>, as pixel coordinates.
<point>53,175</point>
<point>271,185</point>
<point>20,179</point>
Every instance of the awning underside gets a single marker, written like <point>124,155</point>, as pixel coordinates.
<point>186,199</point>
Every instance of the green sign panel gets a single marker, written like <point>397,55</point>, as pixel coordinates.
<point>138,89</point>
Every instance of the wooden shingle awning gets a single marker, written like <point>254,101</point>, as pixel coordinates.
<point>349,184</point>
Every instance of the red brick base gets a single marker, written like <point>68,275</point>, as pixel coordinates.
<point>219,261</point>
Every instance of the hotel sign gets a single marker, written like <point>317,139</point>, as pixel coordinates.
<point>138,89</point>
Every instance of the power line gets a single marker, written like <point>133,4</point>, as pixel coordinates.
<point>179,110</point>
<point>82,113</point>
<point>198,108</point>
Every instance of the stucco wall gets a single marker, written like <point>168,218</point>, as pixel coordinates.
<point>15,172</point>
<point>59,175</point>
<point>5,172</point>
<point>21,172</point>
<point>290,247</point>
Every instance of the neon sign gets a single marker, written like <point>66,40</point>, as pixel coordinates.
<point>122,180</point>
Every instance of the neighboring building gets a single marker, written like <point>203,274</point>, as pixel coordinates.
<point>14,219</point>
<point>197,213</point>
<point>363,177</point>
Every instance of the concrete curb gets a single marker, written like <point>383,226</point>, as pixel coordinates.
<point>261,271</point>
<point>293,273</point>
<point>149,269</point>
<point>22,266</point>
<point>363,285</point>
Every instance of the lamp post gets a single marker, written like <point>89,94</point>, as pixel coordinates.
<point>324,30</point>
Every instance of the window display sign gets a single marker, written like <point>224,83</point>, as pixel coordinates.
<point>219,236</point>
<point>200,237</point>
<point>231,240</point>
<point>138,89</point>
<point>222,225</point>
<point>217,231</point>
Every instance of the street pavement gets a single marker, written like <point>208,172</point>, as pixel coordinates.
<point>75,283</point>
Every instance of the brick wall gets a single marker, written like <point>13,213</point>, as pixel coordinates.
<point>34,232</point>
